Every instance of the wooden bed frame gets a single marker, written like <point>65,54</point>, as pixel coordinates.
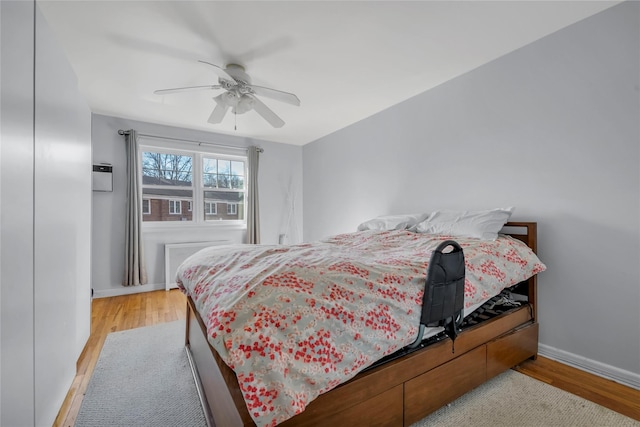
<point>397,393</point>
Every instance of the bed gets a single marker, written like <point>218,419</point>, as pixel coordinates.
<point>399,387</point>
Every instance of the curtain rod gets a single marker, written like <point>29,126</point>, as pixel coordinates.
<point>126,132</point>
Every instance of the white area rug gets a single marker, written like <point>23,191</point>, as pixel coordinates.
<point>515,400</point>
<point>143,378</point>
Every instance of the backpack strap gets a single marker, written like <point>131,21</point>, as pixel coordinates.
<point>443,299</point>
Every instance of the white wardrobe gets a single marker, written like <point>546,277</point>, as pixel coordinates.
<point>45,219</point>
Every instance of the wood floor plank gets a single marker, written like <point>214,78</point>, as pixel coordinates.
<point>150,308</point>
<point>617,397</point>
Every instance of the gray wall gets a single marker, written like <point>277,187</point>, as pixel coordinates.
<point>553,129</point>
<point>280,175</point>
<point>45,230</point>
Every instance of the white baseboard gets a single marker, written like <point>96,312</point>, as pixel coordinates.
<point>609,372</point>
<point>127,290</point>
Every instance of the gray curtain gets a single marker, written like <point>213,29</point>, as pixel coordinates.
<point>253,208</point>
<point>135,272</point>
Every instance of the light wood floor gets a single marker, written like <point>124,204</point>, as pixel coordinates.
<point>137,310</point>
<point>111,315</point>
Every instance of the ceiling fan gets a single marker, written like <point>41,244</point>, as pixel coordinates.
<point>239,95</point>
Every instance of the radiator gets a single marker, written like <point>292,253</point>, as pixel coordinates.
<point>176,253</point>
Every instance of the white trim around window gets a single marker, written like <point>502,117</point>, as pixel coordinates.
<point>195,191</point>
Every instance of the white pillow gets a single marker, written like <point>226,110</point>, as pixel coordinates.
<point>393,222</point>
<point>479,224</point>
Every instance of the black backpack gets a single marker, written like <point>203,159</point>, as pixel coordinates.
<point>443,299</point>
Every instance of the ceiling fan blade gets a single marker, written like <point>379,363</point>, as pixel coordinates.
<point>219,112</point>
<point>278,95</point>
<point>266,113</point>
<point>219,71</point>
<point>186,89</point>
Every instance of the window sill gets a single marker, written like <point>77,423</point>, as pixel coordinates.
<point>181,226</point>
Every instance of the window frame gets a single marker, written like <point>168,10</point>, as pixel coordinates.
<point>198,153</point>
<point>148,211</point>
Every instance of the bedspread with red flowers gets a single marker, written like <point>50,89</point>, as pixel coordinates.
<point>296,321</point>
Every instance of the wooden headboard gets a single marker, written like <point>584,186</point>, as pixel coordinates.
<point>524,231</point>
<point>527,232</point>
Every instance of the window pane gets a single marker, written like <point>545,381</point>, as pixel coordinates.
<point>237,168</point>
<point>166,169</point>
<point>223,199</point>
<point>209,165</point>
<point>168,204</point>
<point>220,173</point>
<point>224,167</point>
<point>237,175</point>
<point>210,172</point>
<point>224,173</point>
<point>210,179</point>
<point>237,182</point>
<point>223,181</point>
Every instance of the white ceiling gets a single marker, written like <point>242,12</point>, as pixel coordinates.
<point>345,60</point>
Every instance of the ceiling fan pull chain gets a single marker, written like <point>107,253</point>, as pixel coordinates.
<point>235,121</point>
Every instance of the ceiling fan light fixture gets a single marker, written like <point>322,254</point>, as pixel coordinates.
<point>230,98</point>
<point>244,104</point>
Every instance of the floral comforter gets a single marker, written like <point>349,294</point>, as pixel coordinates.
<point>296,321</point>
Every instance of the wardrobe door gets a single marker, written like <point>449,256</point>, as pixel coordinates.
<point>62,223</point>
<point>16,214</point>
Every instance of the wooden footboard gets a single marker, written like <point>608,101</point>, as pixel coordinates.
<point>397,393</point>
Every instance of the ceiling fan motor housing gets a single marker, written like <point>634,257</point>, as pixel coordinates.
<point>237,72</point>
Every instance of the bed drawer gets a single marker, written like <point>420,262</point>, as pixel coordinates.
<point>382,410</point>
<point>424,394</point>
<point>507,351</point>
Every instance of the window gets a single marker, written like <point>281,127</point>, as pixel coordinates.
<point>175,207</point>
<point>167,181</point>
<point>210,208</point>
<point>224,182</point>
<point>187,186</point>
<point>146,207</point>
